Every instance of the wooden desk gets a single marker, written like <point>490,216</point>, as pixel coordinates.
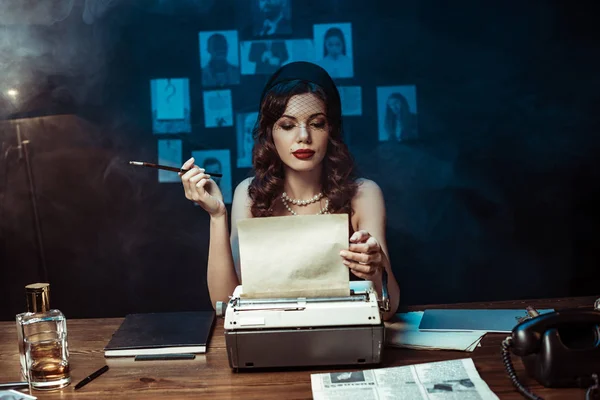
<point>209,375</point>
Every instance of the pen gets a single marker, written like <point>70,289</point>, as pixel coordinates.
<point>90,378</point>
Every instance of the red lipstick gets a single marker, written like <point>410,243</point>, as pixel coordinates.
<point>303,154</point>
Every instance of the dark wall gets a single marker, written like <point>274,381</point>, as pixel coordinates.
<point>496,200</point>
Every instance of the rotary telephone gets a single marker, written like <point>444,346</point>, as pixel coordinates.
<point>558,349</point>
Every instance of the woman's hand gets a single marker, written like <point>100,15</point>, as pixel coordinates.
<point>364,256</point>
<point>202,190</point>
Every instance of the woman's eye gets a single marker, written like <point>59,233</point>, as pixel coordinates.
<point>318,125</point>
<point>287,127</point>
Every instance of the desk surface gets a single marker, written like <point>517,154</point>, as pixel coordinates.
<point>209,375</point>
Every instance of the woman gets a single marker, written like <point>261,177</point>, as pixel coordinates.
<point>335,61</point>
<point>400,123</point>
<point>298,155</point>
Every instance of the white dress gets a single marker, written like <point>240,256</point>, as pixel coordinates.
<point>338,68</point>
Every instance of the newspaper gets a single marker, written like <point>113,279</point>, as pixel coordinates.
<point>15,395</point>
<point>454,379</point>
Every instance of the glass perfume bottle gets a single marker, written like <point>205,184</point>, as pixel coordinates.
<point>42,337</point>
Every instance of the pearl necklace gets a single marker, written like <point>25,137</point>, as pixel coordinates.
<point>316,197</point>
<point>285,199</point>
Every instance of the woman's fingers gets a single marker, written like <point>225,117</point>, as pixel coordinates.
<point>191,173</point>
<point>353,256</point>
<point>359,236</point>
<point>198,186</point>
<point>206,178</point>
<point>373,244</point>
<point>200,190</point>
<point>185,180</point>
<point>188,164</point>
<point>361,270</point>
<point>190,179</point>
<point>370,246</point>
<point>362,258</point>
<point>359,247</point>
<point>196,178</point>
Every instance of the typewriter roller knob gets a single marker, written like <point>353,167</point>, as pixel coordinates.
<point>220,309</point>
<point>384,303</point>
<point>597,304</point>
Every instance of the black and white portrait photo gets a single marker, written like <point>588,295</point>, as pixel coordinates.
<point>245,141</point>
<point>333,49</point>
<point>263,56</point>
<point>271,17</point>
<point>219,58</point>
<point>169,154</point>
<point>170,105</point>
<point>217,108</point>
<point>216,161</point>
<point>397,113</point>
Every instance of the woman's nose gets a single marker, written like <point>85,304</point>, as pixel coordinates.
<point>303,134</point>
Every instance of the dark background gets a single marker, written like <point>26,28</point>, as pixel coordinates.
<point>497,200</point>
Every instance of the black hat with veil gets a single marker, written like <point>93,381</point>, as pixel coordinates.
<point>311,73</point>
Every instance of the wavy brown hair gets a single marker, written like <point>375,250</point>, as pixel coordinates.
<point>338,179</point>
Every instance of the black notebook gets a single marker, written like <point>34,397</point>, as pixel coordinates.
<point>162,333</point>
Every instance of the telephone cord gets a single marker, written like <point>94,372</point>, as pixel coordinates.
<point>593,391</point>
<point>506,344</point>
<point>591,394</point>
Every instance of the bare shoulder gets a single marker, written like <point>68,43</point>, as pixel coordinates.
<point>243,185</point>
<point>369,212</point>
<point>368,190</point>
<point>241,190</point>
<point>368,205</point>
<point>241,204</point>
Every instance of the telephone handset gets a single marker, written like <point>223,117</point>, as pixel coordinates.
<point>558,349</point>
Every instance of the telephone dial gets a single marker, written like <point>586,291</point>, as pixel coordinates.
<point>559,349</point>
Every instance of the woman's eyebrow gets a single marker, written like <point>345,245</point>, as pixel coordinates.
<point>310,117</point>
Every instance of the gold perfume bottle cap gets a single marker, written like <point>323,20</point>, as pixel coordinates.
<point>38,297</point>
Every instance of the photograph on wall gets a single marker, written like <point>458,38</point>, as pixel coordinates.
<point>351,98</point>
<point>263,57</point>
<point>217,109</point>
<point>170,105</point>
<point>216,161</point>
<point>245,141</point>
<point>333,49</point>
<point>271,17</point>
<point>397,113</point>
<point>169,154</point>
<point>219,58</point>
